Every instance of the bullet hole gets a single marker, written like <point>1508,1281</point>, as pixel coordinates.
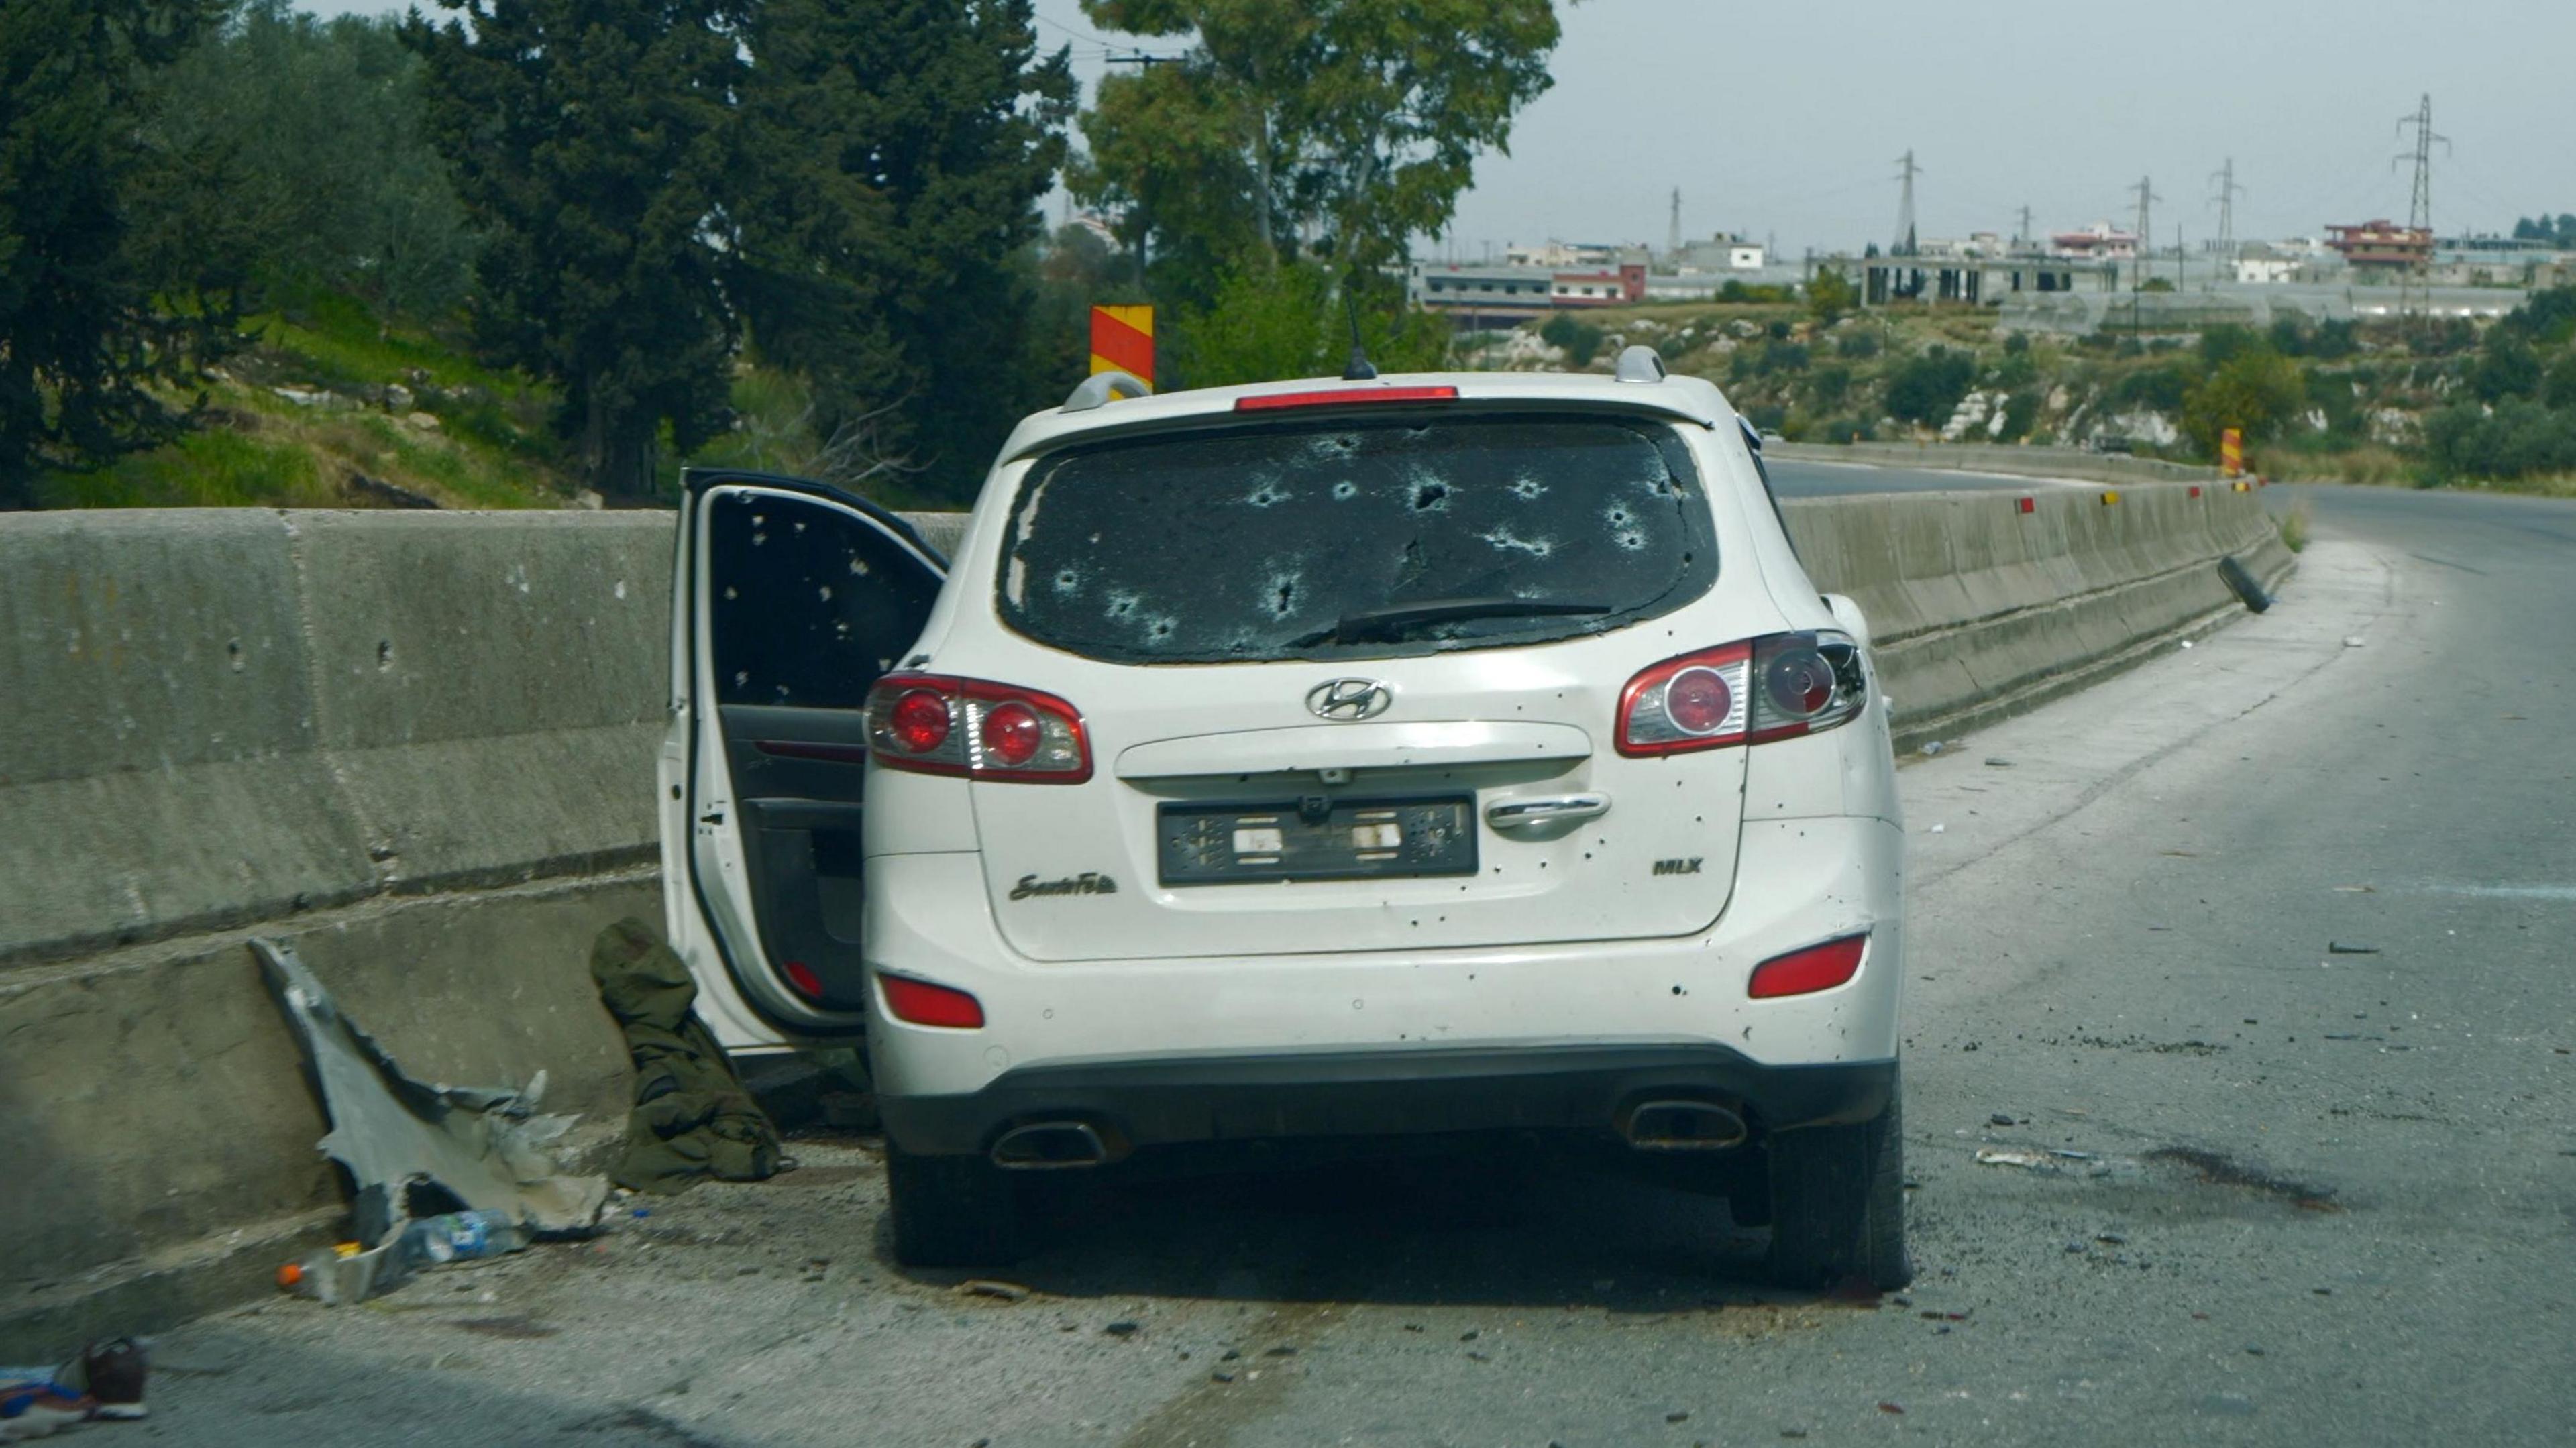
<point>1160,629</point>
<point>1268,495</point>
<point>827,593</point>
<point>1068,581</point>
<point>1527,489</point>
<point>384,655</point>
<point>1619,516</point>
<point>741,678</point>
<point>1677,990</point>
<point>1344,492</point>
<point>730,595</point>
<point>759,538</point>
<point>1630,540</point>
<point>858,565</point>
<point>1430,497</point>
<point>1122,604</point>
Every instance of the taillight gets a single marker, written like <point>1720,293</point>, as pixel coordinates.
<point>923,1004</point>
<point>933,724</point>
<point>1776,687</point>
<point>1801,972</point>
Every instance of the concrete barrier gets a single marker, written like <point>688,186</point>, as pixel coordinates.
<point>1978,610</point>
<point>420,745</point>
<point>2035,462</point>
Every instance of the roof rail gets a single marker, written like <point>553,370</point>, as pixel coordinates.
<point>1640,363</point>
<point>1102,388</point>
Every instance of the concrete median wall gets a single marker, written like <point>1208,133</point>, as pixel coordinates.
<point>1978,610</point>
<point>420,745</point>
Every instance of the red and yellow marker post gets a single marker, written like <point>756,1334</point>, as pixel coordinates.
<point>2231,450</point>
<point>1122,340</point>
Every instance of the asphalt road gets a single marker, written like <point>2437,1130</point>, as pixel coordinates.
<point>2325,1196</point>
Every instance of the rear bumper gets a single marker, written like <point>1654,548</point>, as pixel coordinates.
<point>1385,1093</point>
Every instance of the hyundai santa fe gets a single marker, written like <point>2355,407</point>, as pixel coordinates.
<point>1393,758</point>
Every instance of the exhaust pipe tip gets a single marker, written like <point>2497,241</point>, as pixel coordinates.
<point>1683,1126</point>
<point>1050,1146</point>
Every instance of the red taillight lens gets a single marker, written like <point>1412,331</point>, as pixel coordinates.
<point>1801,972</point>
<point>1775,687</point>
<point>923,1004</point>
<point>1698,701</point>
<point>1012,734</point>
<point>918,723</point>
<point>932,724</point>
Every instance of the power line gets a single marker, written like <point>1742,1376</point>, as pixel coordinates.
<point>2225,201</point>
<point>2419,214</point>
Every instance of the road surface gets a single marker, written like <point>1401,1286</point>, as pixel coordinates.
<point>2271,936</point>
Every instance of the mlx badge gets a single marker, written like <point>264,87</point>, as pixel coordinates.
<point>1678,867</point>
<point>1089,882</point>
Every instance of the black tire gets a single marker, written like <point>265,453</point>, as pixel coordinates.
<point>951,1211</point>
<point>1838,1204</point>
<point>2241,579</point>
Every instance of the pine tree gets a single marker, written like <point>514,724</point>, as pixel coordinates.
<point>593,140</point>
<point>894,152</point>
<point>79,339</point>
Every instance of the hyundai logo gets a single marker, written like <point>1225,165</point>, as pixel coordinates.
<point>1346,699</point>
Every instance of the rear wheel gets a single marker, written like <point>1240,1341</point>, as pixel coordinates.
<point>1838,1204</point>
<point>951,1211</point>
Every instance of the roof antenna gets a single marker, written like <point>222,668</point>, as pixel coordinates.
<point>1359,368</point>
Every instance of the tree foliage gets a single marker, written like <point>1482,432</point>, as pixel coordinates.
<point>81,342</point>
<point>591,140</point>
<point>893,152</point>
<point>1271,323</point>
<point>1829,295</point>
<point>301,163</point>
<point>1336,128</point>
<point>1927,389</point>
<point>2257,391</point>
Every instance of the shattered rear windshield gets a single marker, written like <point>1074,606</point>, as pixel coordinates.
<point>1255,543</point>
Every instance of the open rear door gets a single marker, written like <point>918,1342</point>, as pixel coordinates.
<point>788,599</point>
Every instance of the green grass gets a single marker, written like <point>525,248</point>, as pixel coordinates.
<point>212,468</point>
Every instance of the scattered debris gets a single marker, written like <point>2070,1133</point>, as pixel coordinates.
<point>485,1147</point>
<point>104,1382</point>
<point>999,1291</point>
<point>2341,947</point>
<point>2186,643</point>
<point>2354,642</point>
<point>2044,1159</point>
<point>1896,1408</point>
<point>2000,1119</point>
<point>1997,761</point>
<point>1121,1328</point>
<point>1934,747</point>
<point>518,1328</point>
<point>1940,829</point>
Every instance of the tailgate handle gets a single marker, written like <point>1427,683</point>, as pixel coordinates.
<point>1504,814</point>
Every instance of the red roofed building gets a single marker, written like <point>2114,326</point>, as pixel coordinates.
<point>2382,245</point>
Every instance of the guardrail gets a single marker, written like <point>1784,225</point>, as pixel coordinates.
<point>2036,462</point>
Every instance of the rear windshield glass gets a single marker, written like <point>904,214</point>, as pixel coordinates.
<point>1339,537</point>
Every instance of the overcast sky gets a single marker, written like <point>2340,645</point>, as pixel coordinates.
<point>1785,120</point>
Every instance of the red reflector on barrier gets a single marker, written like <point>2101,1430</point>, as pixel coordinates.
<point>2109,497</point>
<point>1818,967</point>
<point>2028,505</point>
<point>924,1004</point>
<point>2195,490</point>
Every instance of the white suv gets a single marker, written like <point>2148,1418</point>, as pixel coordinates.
<point>1428,754</point>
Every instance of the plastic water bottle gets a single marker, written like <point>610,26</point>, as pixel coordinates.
<point>461,1237</point>
<point>347,1274</point>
